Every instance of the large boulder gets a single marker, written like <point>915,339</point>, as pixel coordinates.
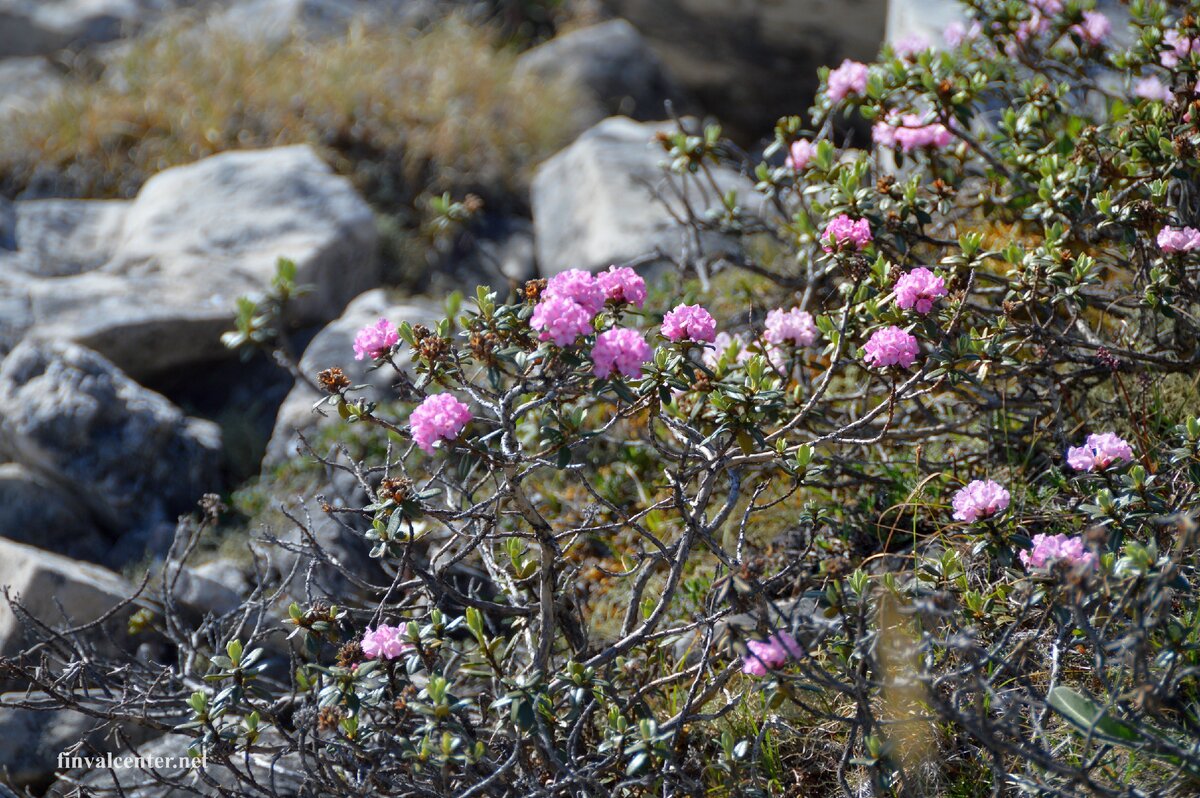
<point>605,200</point>
<point>334,346</point>
<point>754,61</point>
<point>610,68</point>
<point>130,456</point>
<point>195,238</point>
<point>57,238</point>
<point>35,510</point>
<point>58,591</point>
<point>273,21</point>
<point>33,742</point>
<point>36,27</point>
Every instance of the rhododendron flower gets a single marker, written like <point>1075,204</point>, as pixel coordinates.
<point>1094,28</point>
<point>1152,88</point>
<point>919,289</point>
<point>440,417</point>
<point>956,33</point>
<point>690,322</point>
<point>578,286</point>
<point>620,350</point>
<point>622,285</point>
<point>910,133</point>
<point>849,78</point>
<point>890,346</point>
<point>1178,239</point>
<point>1180,46</point>
<point>800,153</point>
<point>375,340</point>
<point>844,232</point>
<point>385,642</point>
<point>1099,451</point>
<point>1048,549</point>
<point>1047,6</point>
<point>712,354</point>
<point>770,653</point>
<point>979,499</point>
<point>911,45</point>
<point>794,326</point>
<point>561,320</point>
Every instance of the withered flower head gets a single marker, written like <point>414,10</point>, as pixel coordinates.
<point>333,380</point>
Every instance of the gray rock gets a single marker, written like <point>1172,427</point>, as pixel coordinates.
<point>594,203</point>
<point>195,238</point>
<point>58,591</point>
<point>26,83</point>
<point>751,62</point>
<point>274,21</point>
<point>130,455</point>
<point>56,238</point>
<point>37,27</point>
<point>333,346</point>
<point>611,68</point>
<point>217,587</point>
<point>31,741</point>
<point>36,511</point>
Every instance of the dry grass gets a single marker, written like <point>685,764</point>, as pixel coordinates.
<point>406,114</point>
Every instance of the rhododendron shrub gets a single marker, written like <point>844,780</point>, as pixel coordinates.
<point>893,493</point>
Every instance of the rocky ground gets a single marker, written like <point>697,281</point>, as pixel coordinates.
<point>119,406</point>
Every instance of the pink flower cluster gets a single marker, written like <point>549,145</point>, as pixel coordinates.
<point>910,132</point>
<point>890,346</point>
<point>689,322</point>
<point>375,340</point>
<point>569,303</point>
<point>979,499</point>
<point>1099,452</point>
<point>1178,239</point>
<point>846,233</point>
<point>911,45</point>
<point>1048,549</point>
<point>723,340</point>
<point>622,284</point>
<point>1094,29</point>
<point>1181,46</point>
<point>1151,88</point>
<point>919,289</point>
<point>956,33</point>
<point>620,350</point>
<point>849,78</point>
<point>800,153</point>
<point>770,653</point>
<point>385,642</point>
<point>440,417</point>
<point>790,326</point>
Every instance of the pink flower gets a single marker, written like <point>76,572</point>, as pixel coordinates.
<point>712,354</point>
<point>620,350</point>
<point>801,152</point>
<point>770,653</point>
<point>890,346</point>
<point>849,78</point>
<point>911,133</point>
<point>1099,452</point>
<point>385,642</point>
<point>1094,28</point>
<point>911,45</point>
<point>1178,239</point>
<point>561,320</point>
<point>846,233</point>
<point>578,286</point>
<point>956,33</point>
<point>979,499</point>
<point>1180,46</point>
<point>919,289</point>
<point>440,417</point>
<point>1047,6</point>
<point>1048,549</point>
<point>375,340</point>
<point>1152,88</point>
<point>622,285</point>
<point>795,326</point>
<point>690,322</point>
